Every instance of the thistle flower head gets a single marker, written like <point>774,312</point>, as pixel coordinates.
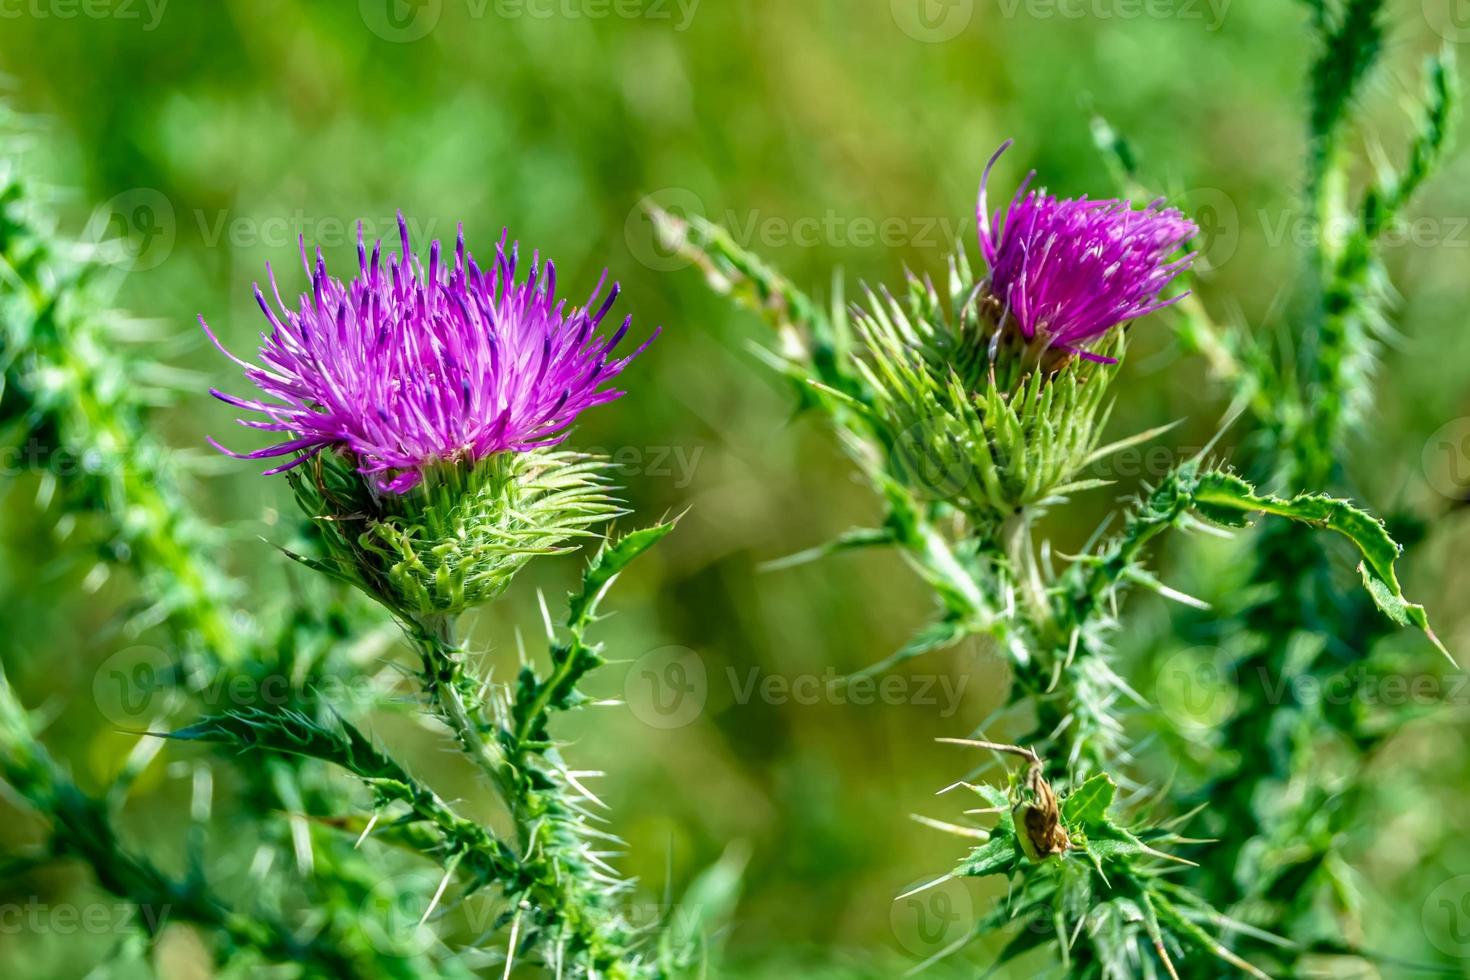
<point>986,395</point>
<point>424,401</point>
<point>406,367</point>
<point>1068,270</point>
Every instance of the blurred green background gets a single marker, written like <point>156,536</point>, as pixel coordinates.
<point>827,133</point>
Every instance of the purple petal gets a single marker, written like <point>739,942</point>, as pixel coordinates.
<point>404,365</point>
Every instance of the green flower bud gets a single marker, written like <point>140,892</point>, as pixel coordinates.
<point>971,413</point>
<point>457,538</point>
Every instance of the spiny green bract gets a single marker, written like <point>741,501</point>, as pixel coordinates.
<point>458,538</point>
<point>965,414</point>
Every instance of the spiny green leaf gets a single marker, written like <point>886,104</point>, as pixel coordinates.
<point>997,855</point>
<point>997,798</point>
<point>1110,842</point>
<point>293,732</point>
<point>1227,499</point>
<point>612,558</point>
<point>1088,804</point>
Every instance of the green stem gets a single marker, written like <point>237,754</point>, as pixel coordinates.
<point>576,905</point>
<point>449,692</point>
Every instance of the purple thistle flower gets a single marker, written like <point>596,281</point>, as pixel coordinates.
<point>404,367</point>
<point>1069,270</point>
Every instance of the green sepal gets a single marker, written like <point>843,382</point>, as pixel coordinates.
<point>458,538</point>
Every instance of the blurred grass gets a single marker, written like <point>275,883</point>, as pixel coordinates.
<point>238,125</point>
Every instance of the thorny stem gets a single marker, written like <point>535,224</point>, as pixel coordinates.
<point>558,880</point>
<point>445,683</point>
